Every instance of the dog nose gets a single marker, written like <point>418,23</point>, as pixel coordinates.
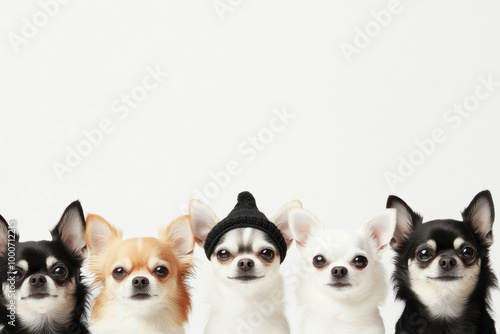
<point>339,272</point>
<point>245,264</point>
<point>140,282</point>
<point>447,263</point>
<point>38,280</point>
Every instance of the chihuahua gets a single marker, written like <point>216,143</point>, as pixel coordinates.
<point>442,269</point>
<point>42,291</point>
<point>245,250</point>
<point>142,281</point>
<point>342,281</point>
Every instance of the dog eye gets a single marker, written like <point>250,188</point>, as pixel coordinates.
<point>468,254</point>
<point>60,272</point>
<point>223,255</point>
<point>119,273</point>
<point>267,254</point>
<point>319,261</point>
<point>425,255</point>
<point>161,271</point>
<point>360,262</point>
<point>17,274</point>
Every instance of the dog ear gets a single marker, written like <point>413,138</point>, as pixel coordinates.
<point>202,220</point>
<point>179,233</point>
<point>302,225</point>
<point>406,220</point>
<point>4,235</point>
<point>480,214</point>
<point>100,234</point>
<point>380,228</point>
<point>71,229</point>
<point>281,220</point>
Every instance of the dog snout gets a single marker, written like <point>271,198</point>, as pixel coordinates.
<point>339,272</point>
<point>140,282</point>
<point>447,263</point>
<point>245,264</point>
<point>38,281</point>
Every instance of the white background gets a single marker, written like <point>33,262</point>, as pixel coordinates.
<point>353,119</point>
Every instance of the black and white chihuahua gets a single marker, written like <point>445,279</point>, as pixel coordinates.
<point>442,271</point>
<point>42,292</point>
<point>248,288</point>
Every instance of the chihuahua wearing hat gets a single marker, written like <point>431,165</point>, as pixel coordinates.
<point>245,250</point>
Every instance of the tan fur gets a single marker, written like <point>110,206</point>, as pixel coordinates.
<point>139,251</point>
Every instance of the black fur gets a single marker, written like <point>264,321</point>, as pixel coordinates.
<point>36,253</point>
<point>416,318</point>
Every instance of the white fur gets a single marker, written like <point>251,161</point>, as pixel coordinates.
<point>50,261</point>
<point>49,312</point>
<point>202,220</point>
<point>252,307</point>
<point>349,310</point>
<point>280,219</point>
<point>444,299</point>
<point>458,242</point>
<point>182,236</point>
<point>23,264</point>
<point>138,317</point>
<point>233,238</point>
<point>122,314</point>
<point>124,290</point>
<point>432,244</point>
<point>246,307</point>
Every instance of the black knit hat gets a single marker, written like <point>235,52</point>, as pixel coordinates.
<point>245,214</point>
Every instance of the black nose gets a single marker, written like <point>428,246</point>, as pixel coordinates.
<point>447,263</point>
<point>140,282</point>
<point>38,280</point>
<point>245,264</point>
<point>339,272</point>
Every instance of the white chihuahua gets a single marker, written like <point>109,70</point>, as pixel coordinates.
<point>245,250</point>
<point>343,281</point>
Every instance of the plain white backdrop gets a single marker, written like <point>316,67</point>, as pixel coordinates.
<point>329,102</point>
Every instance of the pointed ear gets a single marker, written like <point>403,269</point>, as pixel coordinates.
<point>4,235</point>
<point>302,225</point>
<point>71,229</point>
<point>380,228</point>
<point>202,220</point>
<point>481,214</point>
<point>100,234</point>
<point>180,235</point>
<point>406,220</point>
<point>280,219</point>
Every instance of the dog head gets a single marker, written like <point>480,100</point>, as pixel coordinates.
<point>42,277</point>
<point>342,263</point>
<point>141,273</point>
<point>242,256</point>
<point>442,259</point>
